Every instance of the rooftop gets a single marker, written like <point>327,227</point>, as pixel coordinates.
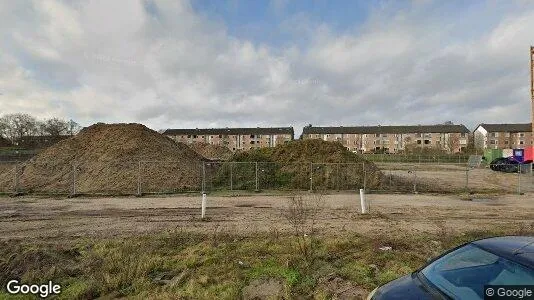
<point>386,129</point>
<point>230,131</point>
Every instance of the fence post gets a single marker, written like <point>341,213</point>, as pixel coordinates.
<point>467,179</point>
<point>73,191</point>
<point>16,178</point>
<point>257,182</point>
<point>311,177</point>
<point>203,206</point>
<point>231,176</point>
<point>139,179</point>
<point>203,177</point>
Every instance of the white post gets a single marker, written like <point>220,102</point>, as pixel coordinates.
<point>362,201</point>
<point>203,205</point>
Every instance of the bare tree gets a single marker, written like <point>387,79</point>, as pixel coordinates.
<point>73,128</point>
<point>16,126</point>
<point>55,127</point>
<point>453,142</point>
<point>302,213</point>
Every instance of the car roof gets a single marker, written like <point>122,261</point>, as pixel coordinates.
<point>519,249</point>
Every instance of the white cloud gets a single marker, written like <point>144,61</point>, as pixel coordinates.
<point>171,67</point>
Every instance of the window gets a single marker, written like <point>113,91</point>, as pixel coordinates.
<point>189,136</point>
<point>251,142</point>
<point>377,135</point>
<point>521,135</point>
<point>427,142</point>
<point>492,142</point>
<point>506,142</point>
<point>251,136</point>
<point>194,136</point>
<point>220,135</point>
<point>455,273</point>
<point>493,134</point>
<point>521,142</point>
<point>419,142</point>
<point>462,134</point>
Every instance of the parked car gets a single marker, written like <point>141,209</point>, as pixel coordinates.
<point>505,164</point>
<point>462,272</point>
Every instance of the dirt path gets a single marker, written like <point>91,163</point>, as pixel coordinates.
<point>34,217</point>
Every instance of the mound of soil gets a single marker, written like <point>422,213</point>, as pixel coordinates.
<point>111,158</point>
<point>211,152</point>
<point>326,165</point>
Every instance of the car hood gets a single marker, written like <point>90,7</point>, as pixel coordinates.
<point>406,287</point>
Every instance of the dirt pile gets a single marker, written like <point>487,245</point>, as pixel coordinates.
<point>211,152</point>
<point>111,158</point>
<point>303,163</point>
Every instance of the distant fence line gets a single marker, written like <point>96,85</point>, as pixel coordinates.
<point>418,158</point>
<point>168,177</point>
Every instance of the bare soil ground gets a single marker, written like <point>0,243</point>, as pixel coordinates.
<point>28,217</point>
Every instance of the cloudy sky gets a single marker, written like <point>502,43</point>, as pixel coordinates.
<point>180,64</point>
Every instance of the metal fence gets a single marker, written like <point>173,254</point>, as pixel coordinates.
<point>168,177</point>
<point>418,158</point>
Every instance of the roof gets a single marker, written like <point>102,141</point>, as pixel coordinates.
<point>230,131</point>
<point>516,248</point>
<point>517,127</point>
<point>386,129</point>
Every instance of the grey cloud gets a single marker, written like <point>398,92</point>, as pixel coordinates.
<point>167,66</point>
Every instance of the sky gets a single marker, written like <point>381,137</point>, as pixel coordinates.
<point>244,63</point>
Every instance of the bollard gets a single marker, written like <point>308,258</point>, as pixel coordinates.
<point>362,202</point>
<point>203,205</point>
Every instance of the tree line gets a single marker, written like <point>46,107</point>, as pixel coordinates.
<point>15,127</point>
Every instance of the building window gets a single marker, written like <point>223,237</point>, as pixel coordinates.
<point>521,142</point>
<point>427,142</point>
<point>419,142</point>
<point>462,134</point>
<point>220,135</point>
<point>492,134</point>
<point>194,136</point>
<point>521,135</point>
<point>251,136</point>
<point>506,142</point>
<point>492,142</point>
<point>251,142</point>
<point>377,135</point>
<point>189,136</point>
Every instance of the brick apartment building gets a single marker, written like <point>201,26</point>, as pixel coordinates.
<point>503,136</point>
<point>393,139</point>
<point>234,138</point>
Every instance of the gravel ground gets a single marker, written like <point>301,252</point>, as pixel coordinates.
<point>29,217</point>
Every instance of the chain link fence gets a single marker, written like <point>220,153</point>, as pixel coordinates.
<point>169,177</point>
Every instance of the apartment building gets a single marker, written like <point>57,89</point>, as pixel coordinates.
<point>393,139</point>
<point>503,136</point>
<point>234,138</point>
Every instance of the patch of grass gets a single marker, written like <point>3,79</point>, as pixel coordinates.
<point>218,266</point>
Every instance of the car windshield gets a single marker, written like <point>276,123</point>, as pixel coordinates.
<point>463,273</point>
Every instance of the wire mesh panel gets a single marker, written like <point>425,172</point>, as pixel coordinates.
<point>341,176</point>
<point>169,177</point>
<point>104,177</point>
<point>44,177</point>
<point>8,169</point>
